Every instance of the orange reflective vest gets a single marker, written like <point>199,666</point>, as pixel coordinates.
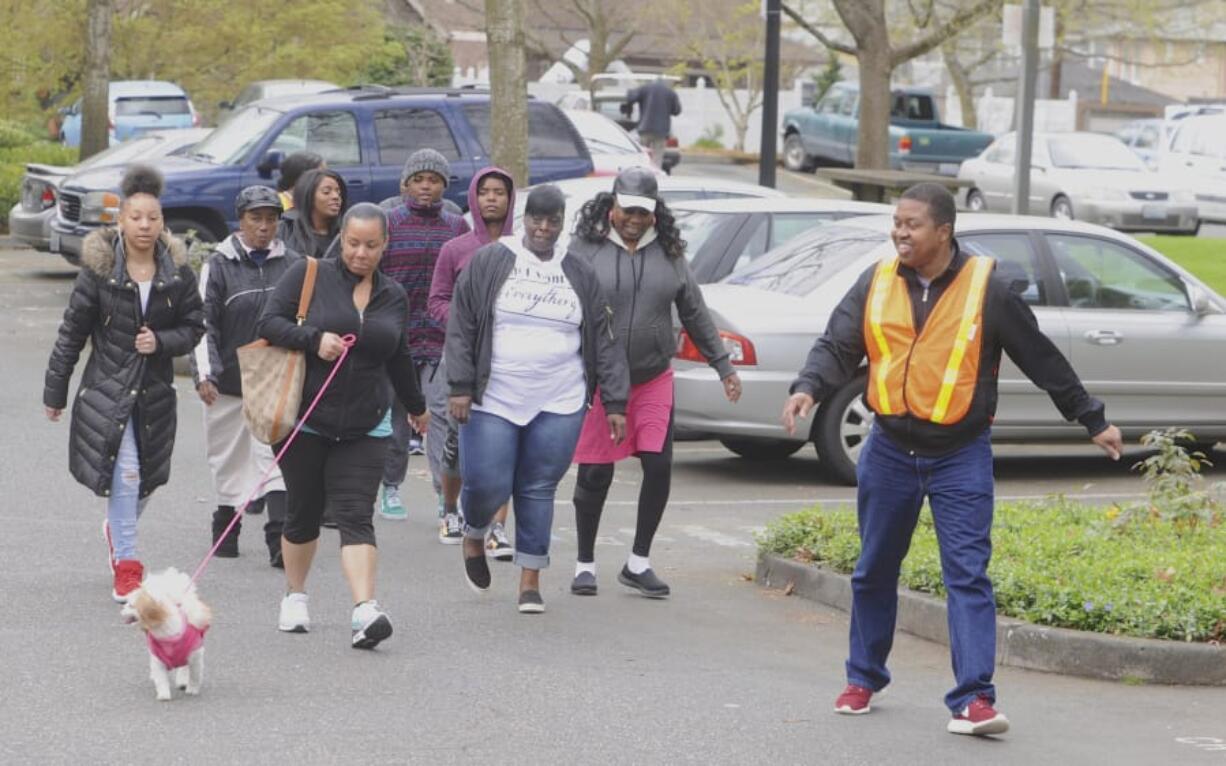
<point>930,375</point>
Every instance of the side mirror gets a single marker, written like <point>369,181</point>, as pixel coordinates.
<point>272,161</point>
<point>1039,168</point>
<point>1198,299</point>
<point>225,106</point>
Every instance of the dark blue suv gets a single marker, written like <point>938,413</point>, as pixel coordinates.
<point>364,133</point>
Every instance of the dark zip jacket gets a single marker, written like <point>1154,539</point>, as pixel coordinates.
<point>1008,325</point>
<point>642,289</point>
<point>378,364</point>
<point>470,328</point>
<point>235,289</point>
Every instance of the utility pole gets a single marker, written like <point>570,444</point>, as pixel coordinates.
<point>504,33</point>
<point>1026,95</point>
<point>95,98</point>
<point>770,96</point>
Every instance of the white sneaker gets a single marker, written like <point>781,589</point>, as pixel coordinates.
<point>370,625</point>
<point>294,616</point>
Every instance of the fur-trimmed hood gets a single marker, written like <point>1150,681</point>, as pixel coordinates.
<point>100,251</point>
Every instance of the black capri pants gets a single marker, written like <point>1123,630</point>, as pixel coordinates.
<point>342,475</point>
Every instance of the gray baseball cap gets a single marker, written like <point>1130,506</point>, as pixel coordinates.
<point>636,187</point>
<point>254,197</point>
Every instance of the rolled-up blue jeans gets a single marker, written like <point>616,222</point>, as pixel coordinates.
<point>500,460</point>
<point>124,505</point>
<point>959,487</point>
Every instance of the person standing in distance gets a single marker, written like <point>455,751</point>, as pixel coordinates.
<point>658,105</point>
<point>933,322</point>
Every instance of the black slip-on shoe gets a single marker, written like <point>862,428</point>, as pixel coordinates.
<point>477,573</point>
<point>584,584</point>
<point>530,602</point>
<point>646,583</point>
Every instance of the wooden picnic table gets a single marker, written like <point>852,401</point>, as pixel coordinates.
<point>881,185</point>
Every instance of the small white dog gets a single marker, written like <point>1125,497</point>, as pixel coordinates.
<point>174,620</point>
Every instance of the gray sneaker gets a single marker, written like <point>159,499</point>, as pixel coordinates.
<point>450,529</point>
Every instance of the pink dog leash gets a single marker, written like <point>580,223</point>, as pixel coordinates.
<point>348,341</point>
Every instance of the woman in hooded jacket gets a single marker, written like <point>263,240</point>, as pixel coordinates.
<point>636,250</point>
<point>310,228</point>
<point>137,302</point>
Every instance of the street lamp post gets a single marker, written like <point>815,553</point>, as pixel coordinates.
<point>1025,112</point>
<point>770,96</point>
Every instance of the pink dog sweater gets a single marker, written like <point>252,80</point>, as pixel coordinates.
<point>174,652</point>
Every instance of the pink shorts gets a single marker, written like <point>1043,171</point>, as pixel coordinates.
<point>647,416</point>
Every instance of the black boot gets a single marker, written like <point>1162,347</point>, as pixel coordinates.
<point>221,519</point>
<point>275,502</point>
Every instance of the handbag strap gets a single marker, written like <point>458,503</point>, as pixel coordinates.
<point>308,289</point>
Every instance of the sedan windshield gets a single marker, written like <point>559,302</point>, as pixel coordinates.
<point>697,227</point>
<point>230,143</point>
<point>1092,152</point>
<point>800,266</point>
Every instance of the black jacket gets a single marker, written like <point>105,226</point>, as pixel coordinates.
<point>658,105</point>
<point>378,363</point>
<point>470,328</point>
<point>119,383</point>
<point>235,290</point>
<point>1008,324</point>
<point>643,289</point>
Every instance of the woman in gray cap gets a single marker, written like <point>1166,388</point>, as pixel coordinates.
<point>235,282</point>
<point>636,250</point>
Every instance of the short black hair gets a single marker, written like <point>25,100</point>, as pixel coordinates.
<point>545,200</point>
<point>293,166</point>
<point>940,202</point>
<point>366,211</point>
<point>141,179</point>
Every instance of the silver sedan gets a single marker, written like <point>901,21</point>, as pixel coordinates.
<point>1083,176</point>
<point>1145,336</point>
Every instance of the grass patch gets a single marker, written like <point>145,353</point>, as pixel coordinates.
<point>1057,563</point>
<point>1203,256</point>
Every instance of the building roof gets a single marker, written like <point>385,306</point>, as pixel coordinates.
<point>1078,76</point>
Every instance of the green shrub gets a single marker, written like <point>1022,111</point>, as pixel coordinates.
<point>13,134</point>
<point>712,138</point>
<point>13,161</point>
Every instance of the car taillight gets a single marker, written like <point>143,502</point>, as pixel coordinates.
<point>48,198</point>
<point>672,142</point>
<point>739,347</point>
<point>195,115</point>
<point>904,144</point>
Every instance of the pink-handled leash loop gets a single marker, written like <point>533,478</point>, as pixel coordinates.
<point>348,341</point>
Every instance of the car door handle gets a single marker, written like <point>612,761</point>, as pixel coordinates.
<point>1104,337</point>
<point>352,182</point>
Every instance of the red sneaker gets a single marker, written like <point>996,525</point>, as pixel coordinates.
<point>853,700</point>
<point>979,718</point>
<point>128,574</point>
<point>110,546</point>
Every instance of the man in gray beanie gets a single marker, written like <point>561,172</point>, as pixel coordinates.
<point>423,161</point>
<point>418,227</point>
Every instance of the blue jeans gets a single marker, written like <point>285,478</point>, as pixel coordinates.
<point>500,460</point>
<point>124,506</point>
<point>892,486</point>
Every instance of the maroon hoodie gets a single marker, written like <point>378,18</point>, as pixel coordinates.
<point>456,254</point>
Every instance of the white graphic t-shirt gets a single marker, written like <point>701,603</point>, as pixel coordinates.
<point>535,365</point>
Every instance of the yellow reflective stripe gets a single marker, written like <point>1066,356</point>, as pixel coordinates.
<point>974,299</point>
<point>881,283</point>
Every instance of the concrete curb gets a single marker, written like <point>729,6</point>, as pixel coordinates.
<point>1021,644</point>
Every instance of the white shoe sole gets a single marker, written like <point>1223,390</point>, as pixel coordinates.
<point>845,710</point>
<point>531,608</point>
<point>450,540</point>
<point>299,628</point>
<point>394,516</point>
<point>997,725</point>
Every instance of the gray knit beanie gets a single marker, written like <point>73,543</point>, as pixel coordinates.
<point>424,160</point>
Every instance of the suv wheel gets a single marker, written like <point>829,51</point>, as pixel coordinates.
<point>841,428</point>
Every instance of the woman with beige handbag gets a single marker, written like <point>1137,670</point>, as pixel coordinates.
<point>337,458</point>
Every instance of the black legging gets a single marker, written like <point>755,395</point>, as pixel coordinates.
<point>592,487</point>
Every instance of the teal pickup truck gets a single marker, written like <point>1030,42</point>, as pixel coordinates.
<point>826,133</point>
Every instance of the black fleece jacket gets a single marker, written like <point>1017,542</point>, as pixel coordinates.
<point>1008,325</point>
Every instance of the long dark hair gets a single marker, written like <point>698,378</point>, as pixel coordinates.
<point>592,224</point>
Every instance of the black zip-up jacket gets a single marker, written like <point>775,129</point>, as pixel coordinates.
<point>470,328</point>
<point>378,364</point>
<point>235,289</point>
<point>1008,324</point>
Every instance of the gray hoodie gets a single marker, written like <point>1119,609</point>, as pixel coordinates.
<point>642,290</point>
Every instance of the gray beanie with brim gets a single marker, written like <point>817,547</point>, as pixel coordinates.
<point>423,161</point>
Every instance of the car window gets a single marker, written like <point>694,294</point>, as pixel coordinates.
<point>682,195</point>
<point>331,135</point>
<point>801,265</point>
<point>830,103</point>
<point>249,94</point>
<point>403,131</point>
<point>230,143</point>
<point>787,225</point>
<point>550,134</point>
<point>1206,143</point>
<point>1189,136</point>
<point>1090,151</point>
<point>1016,262</point>
<point>1148,137</point>
<point>757,243</point>
<point>847,107</point>
<point>1099,274</point>
<point>151,105</point>
<point>1002,151</point>
<point>912,106</point>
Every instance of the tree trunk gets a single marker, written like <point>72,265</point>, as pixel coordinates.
<point>95,119</point>
<point>872,141</point>
<point>962,84</point>
<point>504,32</point>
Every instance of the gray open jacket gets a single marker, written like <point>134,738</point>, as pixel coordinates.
<point>470,329</point>
<point>642,289</point>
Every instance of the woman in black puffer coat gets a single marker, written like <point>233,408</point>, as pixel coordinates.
<point>137,302</point>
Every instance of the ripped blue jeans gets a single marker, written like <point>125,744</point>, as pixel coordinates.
<point>124,506</point>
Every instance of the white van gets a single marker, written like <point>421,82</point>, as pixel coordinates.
<point>1198,153</point>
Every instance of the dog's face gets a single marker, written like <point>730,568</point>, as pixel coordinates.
<point>145,610</point>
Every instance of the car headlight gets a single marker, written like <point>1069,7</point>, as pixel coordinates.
<point>100,207</point>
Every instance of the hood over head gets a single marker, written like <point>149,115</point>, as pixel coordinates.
<point>479,228</point>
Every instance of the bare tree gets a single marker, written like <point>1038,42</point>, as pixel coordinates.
<point>504,31</point>
<point>95,120</point>
<point>866,21</point>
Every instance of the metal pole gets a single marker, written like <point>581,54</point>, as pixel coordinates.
<point>770,97</point>
<point>1026,93</point>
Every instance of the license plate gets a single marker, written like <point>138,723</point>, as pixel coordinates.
<point>948,168</point>
<point>1153,212</point>
<point>55,241</point>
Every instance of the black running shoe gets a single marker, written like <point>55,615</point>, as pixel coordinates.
<point>646,583</point>
<point>477,573</point>
<point>584,584</point>
<point>530,602</point>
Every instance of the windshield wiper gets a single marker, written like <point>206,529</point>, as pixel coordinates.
<point>202,156</point>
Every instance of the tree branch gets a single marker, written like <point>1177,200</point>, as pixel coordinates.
<point>813,30</point>
<point>958,22</point>
<point>615,49</point>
